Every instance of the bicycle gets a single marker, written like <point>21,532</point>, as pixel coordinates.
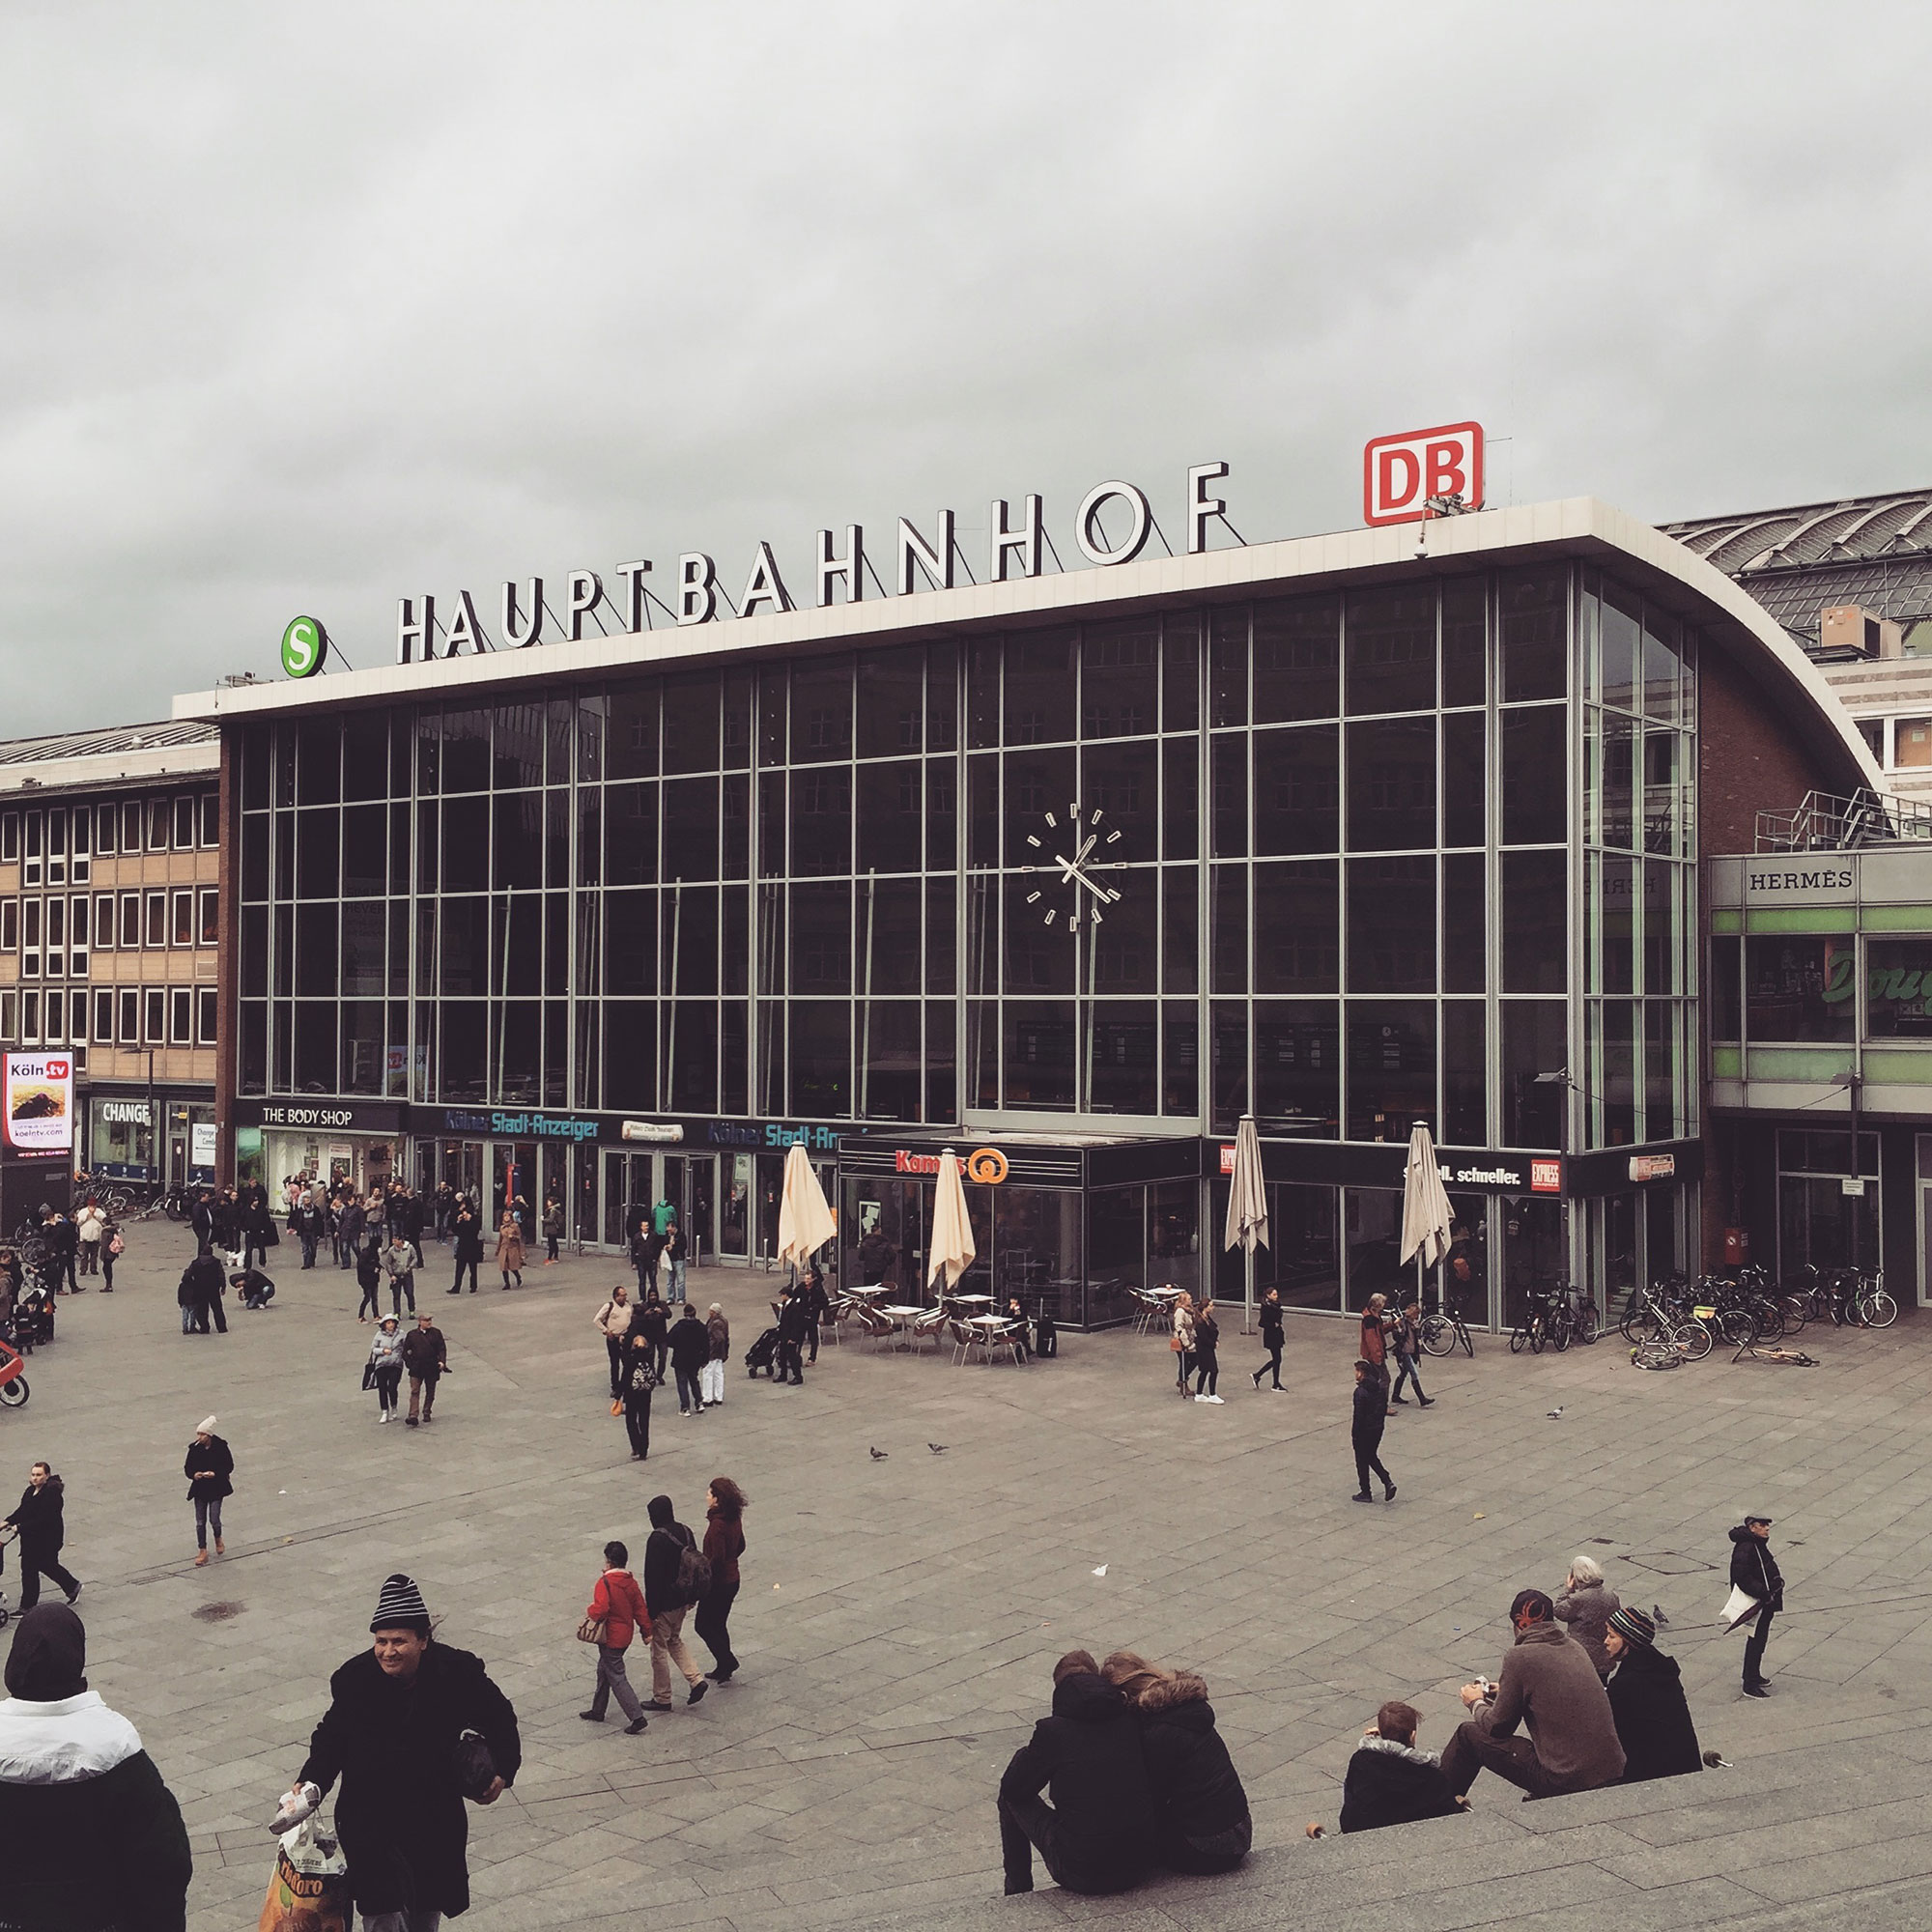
<point>1540,1324</point>
<point>1442,1328</point>
<point>1871,1306</point>
<point>1658,1322</point>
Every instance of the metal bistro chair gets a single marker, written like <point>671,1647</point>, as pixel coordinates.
<point>1006,1336</point>
<point>963,1340</point>
<point>932,1323</point>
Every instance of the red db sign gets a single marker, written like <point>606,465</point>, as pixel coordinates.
<point>1400,474</point>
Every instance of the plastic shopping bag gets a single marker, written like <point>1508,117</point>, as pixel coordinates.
<point>309,1891</point>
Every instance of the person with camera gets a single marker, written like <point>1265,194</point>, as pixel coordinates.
<point>394,1733</point>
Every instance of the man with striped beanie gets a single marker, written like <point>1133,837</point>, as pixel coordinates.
<point>391,1733</point>
<point>1647,1701</point>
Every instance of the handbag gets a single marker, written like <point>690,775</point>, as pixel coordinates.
<point>368,1375</point>
<point>1173,1345</point>
<point>117,1245</point>
<point>590,1631</point>
<point>1740,1608</point>
<point>475,1768</point>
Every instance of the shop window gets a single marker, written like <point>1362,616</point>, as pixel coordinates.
<point>130,919</point>
<point>1898,988</point>
<point>103,1014</point>
<point>1800,986</point>
<point>209,924</point>
<point>1304,1250</point>
<point>184,919</point>
<point>156,933</point>
<point>128,1024</point>
<point>154,1016</point>
<point>10,838</point>
<point>1912,743</point>
<point>208,831</point>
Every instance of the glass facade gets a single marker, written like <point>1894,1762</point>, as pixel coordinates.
<point>1345,860</point>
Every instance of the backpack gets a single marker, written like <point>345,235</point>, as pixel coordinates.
<point>693,1573</point>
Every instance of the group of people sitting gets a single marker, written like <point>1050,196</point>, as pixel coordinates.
<point>1601,1704</point>
<point>1139,1779</point>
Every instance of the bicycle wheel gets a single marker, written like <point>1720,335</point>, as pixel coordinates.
<point>1693,1339</point>
<point>1769,1315</point>
<point>1438,1338</point>
<point>1559,1329</point>
<point>1736,1326</point>
<point>1878,1309</point>
<point>12,1394</point>
<point>1536,1337</point>
<point>1518,1337</point>
<point>1586,1324</point>
<point>1796,1310</point>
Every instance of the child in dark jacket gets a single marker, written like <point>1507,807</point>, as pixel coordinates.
<point>1389,1782</point>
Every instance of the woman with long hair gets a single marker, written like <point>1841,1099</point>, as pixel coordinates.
<point>724,1543</point>
<point>1201,1810</point>
<point>1206,1354</point>
<point>1182,1343</point>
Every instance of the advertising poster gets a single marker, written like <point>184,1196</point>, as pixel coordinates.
<point>39,1102</point>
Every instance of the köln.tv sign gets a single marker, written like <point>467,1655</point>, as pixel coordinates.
<point>1407,478</point>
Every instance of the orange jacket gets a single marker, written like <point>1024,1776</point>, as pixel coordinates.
<point>620,1604</point>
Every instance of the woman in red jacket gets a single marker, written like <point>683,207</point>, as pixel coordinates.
<point>723,1545</point>
<point>619,1605</point>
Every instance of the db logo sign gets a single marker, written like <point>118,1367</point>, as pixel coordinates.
<point>1402,473</point>
<point>987,1166</point>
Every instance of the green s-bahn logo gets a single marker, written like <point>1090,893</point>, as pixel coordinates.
<point>304,647</point>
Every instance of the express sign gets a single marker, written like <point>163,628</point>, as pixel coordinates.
<point>1403,476</point>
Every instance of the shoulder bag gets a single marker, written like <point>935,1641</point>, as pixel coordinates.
<point>693,1573</point>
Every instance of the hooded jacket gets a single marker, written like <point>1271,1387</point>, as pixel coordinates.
<point>1755,1569</point>
<point>1586,1610</point>
<point>1087,1757</point>
<point>1653,1718</point>
<point>1549,1686</point>
<point>400,1813</point>
<point>1197,1791</point>
<point>664,1552</point>
<point>1390,1784</point>
<point>95,1840</point>
<point>41,1517</point>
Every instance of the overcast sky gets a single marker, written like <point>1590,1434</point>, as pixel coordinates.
<point>305,309</point>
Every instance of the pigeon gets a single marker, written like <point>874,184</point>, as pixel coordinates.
<point>938,1448</point>
<point>1658,1617</point>
<point>1556,1413</point>
<point>877,1455</point>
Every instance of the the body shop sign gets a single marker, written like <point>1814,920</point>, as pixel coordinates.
<point>39,1102</point>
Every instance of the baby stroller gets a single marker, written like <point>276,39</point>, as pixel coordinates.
<point>764,1353</point>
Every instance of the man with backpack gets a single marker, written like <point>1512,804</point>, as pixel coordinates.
<point>676,1576</point>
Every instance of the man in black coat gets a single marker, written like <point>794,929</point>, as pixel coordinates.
<point>792,1321</point>
<point>1366,1432</point>
<point>689,1350</point>
<point>390,1733</point>
<point>1754,1570</point>
<point>200,1294</point>
<point>1097,1835</point>
<point>1646,1693</point>
<point>1390,1781</point>
<point>40,1522</point>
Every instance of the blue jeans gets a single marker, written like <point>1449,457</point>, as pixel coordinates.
<point>1406,1371</point>
<point>207,1511</point>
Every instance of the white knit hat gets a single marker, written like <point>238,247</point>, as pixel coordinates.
<point>205,1427</point>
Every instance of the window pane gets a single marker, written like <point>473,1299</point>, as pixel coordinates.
<point>1298,790</point>
<point>1800,986</point>
<point>1536,914</point>
<point>1040,689</point>
<point>889,1058</point>
<point>1391,925</point>
<point>1117,787</point>
<point>1726,1006</point>
<point>1228,667</point>
<point>1391,651</point>
<point>1621,641</point>
<point>1122,1056</point>
<point>1464,1075</point>
<point>1297,1067</point>
<point>1391,1069</point>
<point>1297,659</point>
<point>1039,1053</point>
<point>1125,944</point>
<point>1391,784</point>
<point>1912,743</point>
<point>1181,919</point>
<point>1533,1043</point>
<point>1120,679</point>
<point>1465,607</point>
<point>1532,606</point>
<point>891,700</point>
<point>691,723</point>
<point>1535,788</point>
<point>1898,987</point>
<point>1466,918</point>
<point>1180,695</point>
<point>1297,927</point>
<point>1464,780</point>
<point>691,828</point>
<point>630,738</point>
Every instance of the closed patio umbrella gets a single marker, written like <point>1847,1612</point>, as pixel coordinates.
<point>805,1219</point>
<point>952,1250</point>
<point>1425,1207</point>
<point>1247,1209</point>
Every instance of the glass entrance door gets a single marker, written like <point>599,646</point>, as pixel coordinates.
<point>515,1166</point>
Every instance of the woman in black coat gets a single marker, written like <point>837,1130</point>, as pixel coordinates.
<point>1201,1810</point>
<point>208,1466</point>
<point>390,1733</point>
<point>1647,1701</point>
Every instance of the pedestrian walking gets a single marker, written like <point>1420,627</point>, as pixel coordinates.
<point>112,1246</point>
<point>510,1249</point>
<point>1206,1356</point>
<point>614,1322</point>
<point>466,1231</point>
<point>369,1278</point>
<point>1375,1341</point>
<point>673,1261</point>
<point>1370,1420</point>
<point>1272,1337</point>
<point>723,1545</point>
<point>208,1466</point>
<point>396,1734</point>
<point>311,1224</point>
<point>553,1229</point>
<point>640,1377</point>
<point>653,1319</point>
<point>676,1578</point>
<point>426,1357</point>
<point>1754,1570</point>
<point>689,1350</point>
<point>399,1263</point>
<point>350,1222</point>
<point>383,1371</point>
<point>1406,1336</point>
<point>90,1228</point>
<point>1181,1340</point>
<point>616,1609</point>
<point>41,1523</point>
<point>711,1378</point>
<point>93,1837</point>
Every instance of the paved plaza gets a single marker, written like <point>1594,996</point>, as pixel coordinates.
<point>899,1616</point>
